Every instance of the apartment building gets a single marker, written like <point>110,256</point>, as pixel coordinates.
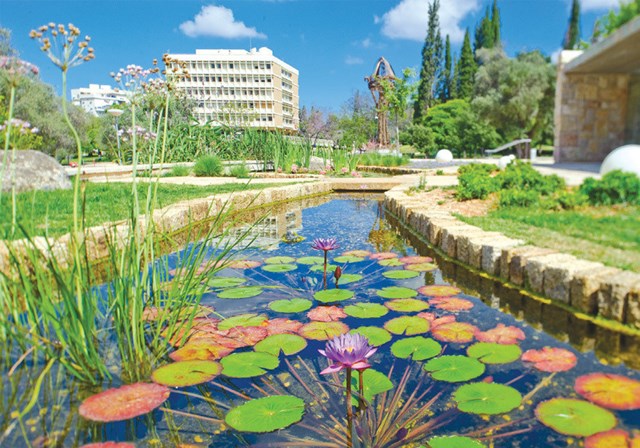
<point>241,88</point>
<point>97,98</point>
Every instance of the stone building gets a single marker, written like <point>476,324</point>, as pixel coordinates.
<point>597,107</point>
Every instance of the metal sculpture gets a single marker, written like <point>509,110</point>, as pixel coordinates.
<point>382,77</point>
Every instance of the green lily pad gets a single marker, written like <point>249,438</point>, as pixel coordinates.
<point>487,398</point>
<point>407,325</point>
<point>279,267</point>
<point>248,364</point>
<point>374,383</point>
<point>242,292</point>
<point>322,331</point>
<point>186,373</point>
<point>287,343</point>
<point>390,262</point>
<point>310,260</point>
<point>407,305</point>
<point>454,442</point>
<point>226,282</point>
<point>397,292</point>
<point>400,274</point>
<point>296,305</point>
<point>348,259</point>
<point>349,278</point>
<point>454,368</point>
<point>320,268</point>
<point>366,310</point>
<point>333,295</point>
<point>266,414</point>
<point>377,336</point>
<point>574,417</point>
<point>492,353</point>
<point>421,267</point>
<point>242,320</point>
<point>417,348</point>
<point>280,260</point>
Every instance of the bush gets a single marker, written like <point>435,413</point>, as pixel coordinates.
<point>239,171</point>
<point>615,187</point>
<point>475,181</point>
<point>519,198</point>
<point>208,166</point>
<point>522,176</point>
<point>178,171</point>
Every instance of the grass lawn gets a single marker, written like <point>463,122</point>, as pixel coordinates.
<point>610,235</point>
<point>50,212</point>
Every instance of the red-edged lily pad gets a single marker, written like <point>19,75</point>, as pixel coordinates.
<point>501,334</point>
<point>244,264</point>
<point>383,256</point>
<point>322,331</point>
<point>407,305</point>
<point>451,303</point>
<point>186,373</point>
<point>437,321</point>
<point>439,290</point>
<point>454,332</point>
<point>609,390</point>
<point>201,349</point>
<point>415,259</point>
<point>407,325</point>
<point>282,325</point>
<point>616,438</point>
<point>123,403</point>
<point>326,314</point>
<point>551,359</point>
<point>574,417</point>
<point>243,336</point>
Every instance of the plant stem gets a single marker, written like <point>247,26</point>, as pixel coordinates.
<point>324,276</point>
<point>349,409</point>
<point>361,404</point>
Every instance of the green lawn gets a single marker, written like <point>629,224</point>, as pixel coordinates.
<point>50,212</point>
<point>610,235</point>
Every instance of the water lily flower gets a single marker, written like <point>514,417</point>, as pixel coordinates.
<point>325,244</point>
<point>348,351</point>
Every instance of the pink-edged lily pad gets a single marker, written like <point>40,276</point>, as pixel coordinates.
<point>609,390</point>
<point>282,325</point>
<point>551,359</point>
<point>201,327</point>
<point>357,253</point>
<point>421,267</point>
<point>437,321</point>
<point>407,325</point>
<point>415,259</point>
<point>574,417</point>
<point>383,256</point>
<point>439,290</point>
<point>244,264</point>
<point>243,336</point>
<point>407,305</point>
<point>205,349</point>
<point>326,314</point>
<point>322,331</point>
<point>242,320</point>
<point>186,373</point>
<point>451,303</point>
<point>109,445</point>
<point>123,403</point>
<point>460,332</point>
<point>616,438</point>
<point>501,334</point>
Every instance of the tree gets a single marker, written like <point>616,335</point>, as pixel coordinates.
<point>398,93</point>
<point>356,124</point>
<point>465,70</point>
<point>572,36</point>
<point>313,124</point>
<point>614,20</point>
<point>444,83</point>
<point>485,33</point>
<point>431,55</point>
<point>495,21</point>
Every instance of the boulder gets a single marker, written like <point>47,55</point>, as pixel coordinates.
<point>34,170</point>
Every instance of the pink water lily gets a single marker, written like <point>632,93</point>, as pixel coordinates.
<point>348,351</point>
<point>325,244</point>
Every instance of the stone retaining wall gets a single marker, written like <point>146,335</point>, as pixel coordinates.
<point>584,286</point>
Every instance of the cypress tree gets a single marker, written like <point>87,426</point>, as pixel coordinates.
<point>495,21</point>
<point>431,55</point>
<point>484,34</point>
<point>466,70</point>
<point>444,84</point>
<point>572,37</point>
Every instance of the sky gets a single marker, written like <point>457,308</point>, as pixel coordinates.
<point>333,43</point>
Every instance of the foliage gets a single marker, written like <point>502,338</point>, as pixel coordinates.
<point>484,34</point>
<point>419,136</point>
<point>522,176</point>
<point>615,187</point>
<point>357,124</point>
<point>239,171</point>
<point>429,71</point>
<point>465,70</point>
<point>572,37</point>
<point>613,20</point>
<point>208,166</point>
<point>375,159</point>
<point>445,81</point>
<point>178,171</point>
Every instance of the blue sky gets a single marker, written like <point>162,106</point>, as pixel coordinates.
<point>333,43</point>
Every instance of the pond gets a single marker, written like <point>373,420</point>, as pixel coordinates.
<point>449,369</point>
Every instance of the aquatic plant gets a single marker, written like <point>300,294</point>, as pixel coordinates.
<point>325,245</point>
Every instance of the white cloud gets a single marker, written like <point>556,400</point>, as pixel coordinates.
<point>591,5</point>
<point>353,60</point>
<point>218,21</point>
<point>408,19</point>
<point>366,43</point>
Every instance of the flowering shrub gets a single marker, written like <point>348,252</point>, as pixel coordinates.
<point>23,134</point>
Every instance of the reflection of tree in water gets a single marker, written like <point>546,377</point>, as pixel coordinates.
<point>383,237</point>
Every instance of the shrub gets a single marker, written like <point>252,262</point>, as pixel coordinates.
<point>521,175</point>
<point>208,166</point>
<point>571,199</point>
<point>519,198</point>
<point>178,171</point>
<point>239,171</point>
<point>615,187</point>
<point>475,181</point>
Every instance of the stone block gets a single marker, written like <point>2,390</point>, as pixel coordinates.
<point>559,274</point>
<point>612,296</point>
<point>492,252</point>
<point>450,236</point>
<point>585,285</point>
<point>437,225</point>
<point>513,260</point>
<point>632,317</point>
<point>463,250</point>
<point>535,267</point>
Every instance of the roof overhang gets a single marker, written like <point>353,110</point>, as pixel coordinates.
<point>618,53</point>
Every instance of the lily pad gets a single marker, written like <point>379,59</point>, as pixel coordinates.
<point>374,383</point>
<point>203,349</point>
<point>322,331</point>
<point>241,292</point>
<point>407,325</point>
<point>501,334</point>
<point>366,310</point>
<point>454,368</point>
<point>390,262</point>
<point>281,325</point>
<point>237,337</point>
<point>333,295</point>
<point>492,353</point>
<point>287,343</point>
<point>242,320</point>
<point>266,414</point>
<point>243,264</point>
<point>109,445</point>
<point>551,359</point>
<point>326,314</point>
<point>407,305</point>
<point>439,290</point>
<point>487,398</point>
<point>574,417</point>
<point>279,267</point>
<point>397,292</point>
<point>401,274</point>
<point>320,268</point>
<point>610,391</point>
<point>311,260</point>
<point>358,253</point>
<point>226,282</point>
<point>248,364</point>
<point>296,305</point>
<point>460,332</point>
<point>186,373</point>
<point>280,260</point>
<point>451,303</point>
<point>415,259</point>
<point>349,278</point>
<point>454,442</point>
<point>616,438</point>
<point>417,348</point>
<point>377,336</point>
<point>348,259</point>
<point>421,267</point>
<point>383,256</point>
<point>123,403</point>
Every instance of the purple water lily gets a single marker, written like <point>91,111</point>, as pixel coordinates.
<point>325,245</point>
<point>348,351</point>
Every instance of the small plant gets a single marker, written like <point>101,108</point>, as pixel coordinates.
<point>178,171</point>
<point>476,181</point>
<point>208,166</point>
<point>239,171</point>
<point>439,173</point>
<point>519,198</point>
<point>615,187</point>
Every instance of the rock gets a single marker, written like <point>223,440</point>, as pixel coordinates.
<point>34,170</point>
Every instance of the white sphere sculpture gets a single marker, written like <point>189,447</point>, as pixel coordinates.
<point>505,160</point>
<point>443,156</point>
<point>625,158</point>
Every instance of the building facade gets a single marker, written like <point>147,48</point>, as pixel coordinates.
<point>241,88</point>
<point>97,98</point>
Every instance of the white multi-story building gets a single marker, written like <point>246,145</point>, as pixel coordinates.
<point>97,98</point>
<point>241,88</point>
